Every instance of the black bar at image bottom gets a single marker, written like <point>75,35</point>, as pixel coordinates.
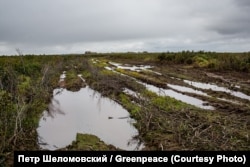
<point>145,158</point>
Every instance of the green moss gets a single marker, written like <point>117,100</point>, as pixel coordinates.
<point>73,82</point>
<point>131,107</point>
<point>107,72</point>
<point>164,102</point>
<point>89,142</point>
<point>99,63</point>
<point>86,74</point>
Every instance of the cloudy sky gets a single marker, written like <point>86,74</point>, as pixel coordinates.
<point>76,26</point>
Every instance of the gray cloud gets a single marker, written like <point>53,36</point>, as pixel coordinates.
<point>242,3</point>
<point>234,21</point>
<point>76,21</point>
<point>45,26</point>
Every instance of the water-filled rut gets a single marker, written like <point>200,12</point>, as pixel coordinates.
<point>85,111</point>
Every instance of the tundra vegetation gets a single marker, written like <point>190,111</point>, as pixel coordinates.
<point>164,123</point>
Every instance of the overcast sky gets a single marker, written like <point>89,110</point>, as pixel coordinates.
<point>76,26</point>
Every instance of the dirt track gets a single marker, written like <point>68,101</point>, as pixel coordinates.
<point>163,126</point>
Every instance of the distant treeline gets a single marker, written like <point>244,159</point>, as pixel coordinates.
<point>213,60</point>
<point>201,59</point>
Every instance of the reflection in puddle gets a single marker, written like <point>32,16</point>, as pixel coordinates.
<point>230,101</point>
<point>173,92</point>
<point>184,98</point>
<point>157,73</point>
<point>87,112</point>
<point>186,89</point>
<point>131,92</point>
<point>168,92</point>
<point>108,68</point>
<point>62,76</point>
<point>129,67</point>
<point>217,88</point>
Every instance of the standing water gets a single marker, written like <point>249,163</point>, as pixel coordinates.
<point>85,111</point>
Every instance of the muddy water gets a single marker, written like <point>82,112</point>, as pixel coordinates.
<point>173,92</point>
<point>184,98</point>
<point>85,111</point>
<point>131,92</point>
<point>217,88</point>
<point>165,92</point>
<point>129,67</point>
<point>186,89</point>
<point>62,76</point>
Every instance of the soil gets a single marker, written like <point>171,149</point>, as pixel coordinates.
<point>165,124</point>
<point>236,81</point>
<point>181,129</point>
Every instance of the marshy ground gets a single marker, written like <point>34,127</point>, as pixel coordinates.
<point>179,101</point>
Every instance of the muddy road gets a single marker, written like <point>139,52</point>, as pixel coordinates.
<point>177,101</point>
<point>175,107</point>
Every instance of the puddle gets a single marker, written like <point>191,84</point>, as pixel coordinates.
<point>108,68</point>
<point>62,79</point>
<point>230,101</point>
<point>186,89</point>
<point>132,68</point>
<point>62,76</point>
<point>157,73</point>
<point>237,86</point>
<point>184,98</point>
<point>175,78</point>
<point>171,93</point>
<point>217,88</point>
<point>95,61</point>
<point>179,96</point>
<point>130,92</point>
<point>87,112</point>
